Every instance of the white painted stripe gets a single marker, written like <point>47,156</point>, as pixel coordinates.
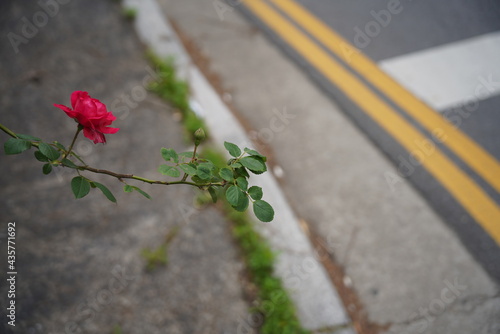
<point>451,74</point>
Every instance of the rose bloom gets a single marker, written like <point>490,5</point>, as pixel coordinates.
<point>91,114</point>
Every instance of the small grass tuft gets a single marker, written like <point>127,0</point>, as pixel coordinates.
<point>129,13</point>
<point>159,256</point>
<point>155,257</point>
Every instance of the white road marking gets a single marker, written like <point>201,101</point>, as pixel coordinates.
<point>451,74</point>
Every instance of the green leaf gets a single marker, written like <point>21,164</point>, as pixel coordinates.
<point>263,211</point>
<point>242,171</point>
<point>40,157</point>
<point>48,151</point>
<point>226,174</point>
<point>242,204</point>
<point>128,189</point>
<point>186,154</point>
<point>254,153</point>
<point>188,169</point>
<point>213,194</point>
<point>242,183</point>
<point>105,191</point>
<point>215,179</point>
<point>236,165</point>
<point>60,146</point>
<point>16,146</point>
<point>204,172</point>
<point>80,186</point>
<point>232,149</point>
<point>168,154</point>
<point>254,164</point>
<point>255,192</point>
<point>142,192</point>
<point>196,179</point>
<point>47,168</point>
<point>234,195</point>
<point>27,137</point>
<point>169,171</point>
<point>69,163</point>
<point>209,164</point>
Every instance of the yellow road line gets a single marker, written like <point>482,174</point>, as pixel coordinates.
<point>465,190</point>
<point>483,163</point>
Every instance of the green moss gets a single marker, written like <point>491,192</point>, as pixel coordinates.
<point>275,304</point>
<point>171,88</point>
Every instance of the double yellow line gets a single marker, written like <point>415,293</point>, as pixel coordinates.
<point>470,195</point>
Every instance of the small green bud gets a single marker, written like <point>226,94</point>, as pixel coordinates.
<point>199,136</point>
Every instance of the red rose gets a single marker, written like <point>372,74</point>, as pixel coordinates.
<point>91,114</point>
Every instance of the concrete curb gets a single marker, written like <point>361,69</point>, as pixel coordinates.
<point>317,301</point>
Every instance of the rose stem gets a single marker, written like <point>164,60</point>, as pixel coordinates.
<point>80,128</point>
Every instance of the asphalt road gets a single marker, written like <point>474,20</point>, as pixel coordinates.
<point>400,69</point>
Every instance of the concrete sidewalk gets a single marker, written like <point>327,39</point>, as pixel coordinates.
<point>79,262</point>
<point>399,257</point>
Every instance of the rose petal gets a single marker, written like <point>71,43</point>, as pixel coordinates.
<point>94,135</point>
<point>109,130</point>
<point>86,107</point>
<point>68,111</point>
<point>101,107</point>
<point>77,95</point>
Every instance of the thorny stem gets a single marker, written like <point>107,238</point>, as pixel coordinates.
<point>134,177</point>
<point>80,128</point>
<point>119,176</point>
